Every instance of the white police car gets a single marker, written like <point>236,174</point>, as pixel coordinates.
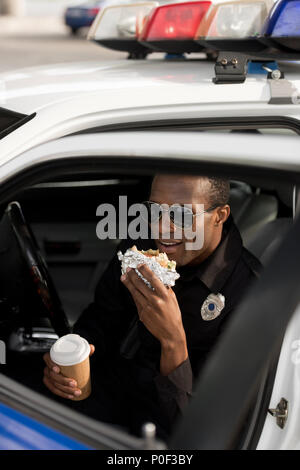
<point>74,136</point>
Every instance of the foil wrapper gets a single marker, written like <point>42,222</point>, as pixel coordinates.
<point>132,258</point>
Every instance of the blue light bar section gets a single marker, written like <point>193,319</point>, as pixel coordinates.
<point>284,19</point>
<point>257,67</point>
<point>19,432</point>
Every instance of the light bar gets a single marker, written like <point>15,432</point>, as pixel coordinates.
<point>117,27</point>
<point>234,25</point>
<point>172,28</point>
<point>283,25</point>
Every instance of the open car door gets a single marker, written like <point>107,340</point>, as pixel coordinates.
<point>232,397</point>
<point>230,406</point>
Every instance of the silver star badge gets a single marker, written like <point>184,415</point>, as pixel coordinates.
<point>212,306</point>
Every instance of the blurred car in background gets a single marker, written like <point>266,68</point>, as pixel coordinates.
<point>82,16</point>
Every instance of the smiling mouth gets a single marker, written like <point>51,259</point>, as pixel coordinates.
<point>168,247</point>
<point>169,243</point>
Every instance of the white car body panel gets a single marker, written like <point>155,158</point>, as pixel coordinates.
<point>165,79</point>
<point>287,385</point>
<point>284,154</point>
<point>71,98</point>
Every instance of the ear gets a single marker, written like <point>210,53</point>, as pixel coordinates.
<point>221,215</point>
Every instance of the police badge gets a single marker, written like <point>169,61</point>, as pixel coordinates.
<point>212,306</point>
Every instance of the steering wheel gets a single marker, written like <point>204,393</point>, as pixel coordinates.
<point>37,269</point>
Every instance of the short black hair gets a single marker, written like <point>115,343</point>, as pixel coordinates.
<point>219,191</point>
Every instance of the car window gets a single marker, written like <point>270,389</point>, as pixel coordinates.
<point>62,214</point>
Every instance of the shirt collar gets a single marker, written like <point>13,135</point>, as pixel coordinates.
<point>217,268</point>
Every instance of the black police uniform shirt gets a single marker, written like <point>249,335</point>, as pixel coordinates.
<point>136,392</point>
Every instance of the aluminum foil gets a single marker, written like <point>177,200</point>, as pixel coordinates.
<point>132,258</point>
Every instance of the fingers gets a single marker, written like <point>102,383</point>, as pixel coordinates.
<point>138,297</point>
<point>50,363</point>
<point>159,288</point>
<point>60,385</point>
<point>139,284</point>
<point>52,387</point>
<point>61,379</point>
<point>92,349</point>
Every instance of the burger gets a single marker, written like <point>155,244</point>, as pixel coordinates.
<point>159,263</point>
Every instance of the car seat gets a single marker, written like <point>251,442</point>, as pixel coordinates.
<point>264,242</point>
<point>251,211</point>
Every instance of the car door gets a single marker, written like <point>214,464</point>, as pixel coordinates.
<point>222,410</point>
<point>234,394</point>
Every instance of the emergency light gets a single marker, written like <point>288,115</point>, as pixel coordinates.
<point>117,27</point>
<point>234,25</point>
<point>172,28</point>
<point>283,25</point>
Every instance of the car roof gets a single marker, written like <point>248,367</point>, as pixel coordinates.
<point>69,98</point>
<point>170,81</point>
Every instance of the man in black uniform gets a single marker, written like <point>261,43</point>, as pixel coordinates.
<point>175,328</point>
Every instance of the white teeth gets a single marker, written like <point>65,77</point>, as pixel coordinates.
<point>169,244</point>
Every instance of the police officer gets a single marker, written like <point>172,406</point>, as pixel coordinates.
<point>176,328</point>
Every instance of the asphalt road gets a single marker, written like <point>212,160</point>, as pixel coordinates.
<point>18,51</point>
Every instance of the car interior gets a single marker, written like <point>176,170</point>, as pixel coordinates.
<point>55,221</point>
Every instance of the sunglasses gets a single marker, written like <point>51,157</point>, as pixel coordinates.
<point>180,216</point>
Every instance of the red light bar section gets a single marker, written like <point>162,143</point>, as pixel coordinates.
<point>178,21</point>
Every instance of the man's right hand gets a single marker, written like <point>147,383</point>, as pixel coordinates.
<point>59,384</point>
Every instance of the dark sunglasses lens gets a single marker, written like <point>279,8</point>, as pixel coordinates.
<point>181,216</point>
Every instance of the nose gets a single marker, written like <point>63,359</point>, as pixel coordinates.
<point>166,227</point>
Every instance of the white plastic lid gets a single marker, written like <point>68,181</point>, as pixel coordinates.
<point>69,350</point>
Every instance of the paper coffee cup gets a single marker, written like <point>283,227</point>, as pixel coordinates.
<point>72,354</point>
